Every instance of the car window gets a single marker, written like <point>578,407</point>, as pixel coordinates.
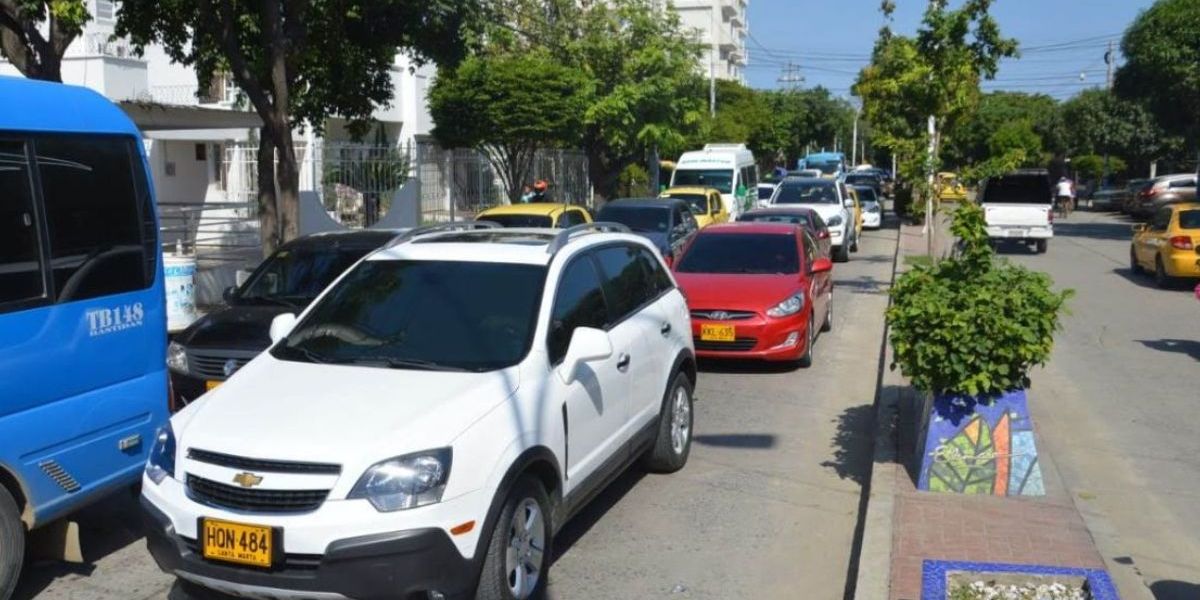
<point>20,255</point>
<point>810,248</point>
<point>658,275</point>
<point>93,214</point>
<point>866,194</point>
<point>697,202</point>
<point>571,218</point>
<point>627,281</point>
<point>1017,189</point>
<point>380,315</point>
<point>520,220</point>
<point>642,219</point>
<point>720,179</point>
<point>299,274</point>
<point>741,253</point>
<point>1189,219</point>
<point>765,193</point>
<point>578,303</point>
<point>806,192</point>
<point>1183,183</point>
<point>1162,220</point>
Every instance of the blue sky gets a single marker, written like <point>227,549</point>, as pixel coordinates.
<point>831,40</point>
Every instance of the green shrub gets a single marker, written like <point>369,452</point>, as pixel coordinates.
<point>970,325</point>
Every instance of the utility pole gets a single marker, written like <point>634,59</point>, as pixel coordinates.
<point>712,63</point>
<point>930,230</point>
<point>791,77</point>
<point>1109,60</point>
<point>854,142</point>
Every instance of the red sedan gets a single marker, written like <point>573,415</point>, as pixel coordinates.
<point>756,290</point>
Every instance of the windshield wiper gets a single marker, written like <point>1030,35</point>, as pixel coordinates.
<point>309,355</point>
<point>406,363</point>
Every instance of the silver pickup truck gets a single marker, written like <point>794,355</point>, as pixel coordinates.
<point>1019,206</point>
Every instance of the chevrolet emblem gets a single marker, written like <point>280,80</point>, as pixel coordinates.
<point>247,480</point>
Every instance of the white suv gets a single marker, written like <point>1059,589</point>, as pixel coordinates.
<point>830,199</point>
<point>425,427</point>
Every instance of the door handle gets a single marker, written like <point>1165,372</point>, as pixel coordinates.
<point>623,362</point>
<point>665,329</point>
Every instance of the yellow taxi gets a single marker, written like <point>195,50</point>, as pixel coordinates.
<point>705,203</point>
<point>1169,245</point>
<point>536,214</point>
<point>950,189</point>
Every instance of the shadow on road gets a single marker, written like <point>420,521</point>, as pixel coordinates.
<point>1175,590</point>
<point>852,444</point>
<point>708,365</point>
<point>753,441</point>
<point>1188,347</point>
<point>862,285</point>
<point>1146,280</point>
<point>104,528</point>
<point>1098,231</point>
<point>593,511</point>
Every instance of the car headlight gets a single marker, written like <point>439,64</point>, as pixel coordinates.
<point>834,221</point>
<point>177,357</point>
<point>406,481</point>
<point>788,307</point>
<point>161,463</point>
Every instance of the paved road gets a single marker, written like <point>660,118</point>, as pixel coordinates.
<point>1117,405</point>
<point>766,507</point>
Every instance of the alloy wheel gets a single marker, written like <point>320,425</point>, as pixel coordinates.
<point>526,548</point>
<point>681,420</point>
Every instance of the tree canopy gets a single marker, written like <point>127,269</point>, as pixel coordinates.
<point>38,54</point>
<point>509,106</point>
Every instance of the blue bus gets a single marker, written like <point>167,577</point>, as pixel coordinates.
<point>83,380</point>
<point>831,164</point>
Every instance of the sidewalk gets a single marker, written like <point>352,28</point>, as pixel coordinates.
<point>904,527</point>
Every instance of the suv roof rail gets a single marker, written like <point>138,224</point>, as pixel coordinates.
<point>564,236</point>
<point>415,232</point>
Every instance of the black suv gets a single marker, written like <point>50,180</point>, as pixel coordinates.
<point>218,344</point>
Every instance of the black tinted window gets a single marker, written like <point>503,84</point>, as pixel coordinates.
<point>93,214</point>
<point>428,315</point>
<point>579,303</point>
<point>1189,219</point>
<point>518,220</point>
<point>807,192</point>
<point>810,248</point>
<point>571,218</point>
<point>297,275</point>
<point>866,194</point>
<point>627,281</point>
<point>1017,189</point>
<point>643,219</point>
<point>764,193</point>
<point>741,253</point>
<point>20,259</point>
<point>658,276</point>
<point>1183,183</point>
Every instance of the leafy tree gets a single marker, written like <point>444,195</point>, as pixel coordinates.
<point>1017,137</point>
<point>509,106</point>
<point>1101,122</point>
<point>970,142</point>
<point>1091,166</point>
<point>298,63</point>
<point>1162,66</point>
<point>34,34</point>
<point>641,62</point>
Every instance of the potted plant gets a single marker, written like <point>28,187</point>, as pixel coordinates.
<point>966,331</point>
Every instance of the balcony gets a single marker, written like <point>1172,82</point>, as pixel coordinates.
<point>729,9</point>
<point>221,93</point>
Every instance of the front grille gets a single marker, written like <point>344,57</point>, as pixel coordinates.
<point>739,345</point>
<point>210,364</point>
<point>729,315</point>
<point>256,464</point>
<point>264,501</point>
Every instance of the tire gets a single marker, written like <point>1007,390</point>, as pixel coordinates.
<point>1134,266</point>
<point>854,245</point>
<point>1161,279</point>
<point>828,323</point>
<point>1041,246</point>
<point>673,442</point>
<point>841,254</point>
<point>527,497</point>
<point>12,544</point>
<point>806,360</point>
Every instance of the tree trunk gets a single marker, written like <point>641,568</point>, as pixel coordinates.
<point>288,175</point>
<point>268,211</point>
<point>604,177</point>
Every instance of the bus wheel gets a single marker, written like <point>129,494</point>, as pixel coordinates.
<point>12,544</point>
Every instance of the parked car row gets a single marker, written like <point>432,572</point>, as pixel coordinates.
<point>1142,198</point>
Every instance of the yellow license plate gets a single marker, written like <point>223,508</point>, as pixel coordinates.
<point>237,542</point>
<point>209,385</point>
<point>718,333</point>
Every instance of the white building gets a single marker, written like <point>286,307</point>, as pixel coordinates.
<point>200,146</point>
<point>723,29</point>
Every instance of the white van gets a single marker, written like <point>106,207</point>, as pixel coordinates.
<point>729,168</point>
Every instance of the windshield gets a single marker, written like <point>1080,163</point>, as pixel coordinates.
<point>807,192</point>
<point>697,202</point>
<point>798,218</point>
<point>297,276</point>
<point>741,253</point>
<point>826,168</point>
<point>861,179</point>
<point>866,194</point>
<point>520,220</point>
<point>430,315</point>
<point>1189,219</point>
<point>764,193</point>
<point>642,219</point>
<point>1017,189</point>
<point>721,179</point>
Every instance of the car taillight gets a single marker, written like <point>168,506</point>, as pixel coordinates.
<point>823,234</point>
<point>1181,242</point>
<point>1050,215</point>
<point>1150,193</point>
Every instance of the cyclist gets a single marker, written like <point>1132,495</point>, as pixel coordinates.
<point>1064,196</point>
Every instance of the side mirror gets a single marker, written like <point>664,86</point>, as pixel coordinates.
<point>587,344</point>
<point>228,294</point>
<point>822,265</point>
<point>282,325</point>
<point>848,203</point>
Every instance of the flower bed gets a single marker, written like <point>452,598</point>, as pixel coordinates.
<point>952,580</point>
<point>989,588</point>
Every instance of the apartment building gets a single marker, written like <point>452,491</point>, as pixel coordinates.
<point>722,29</point>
